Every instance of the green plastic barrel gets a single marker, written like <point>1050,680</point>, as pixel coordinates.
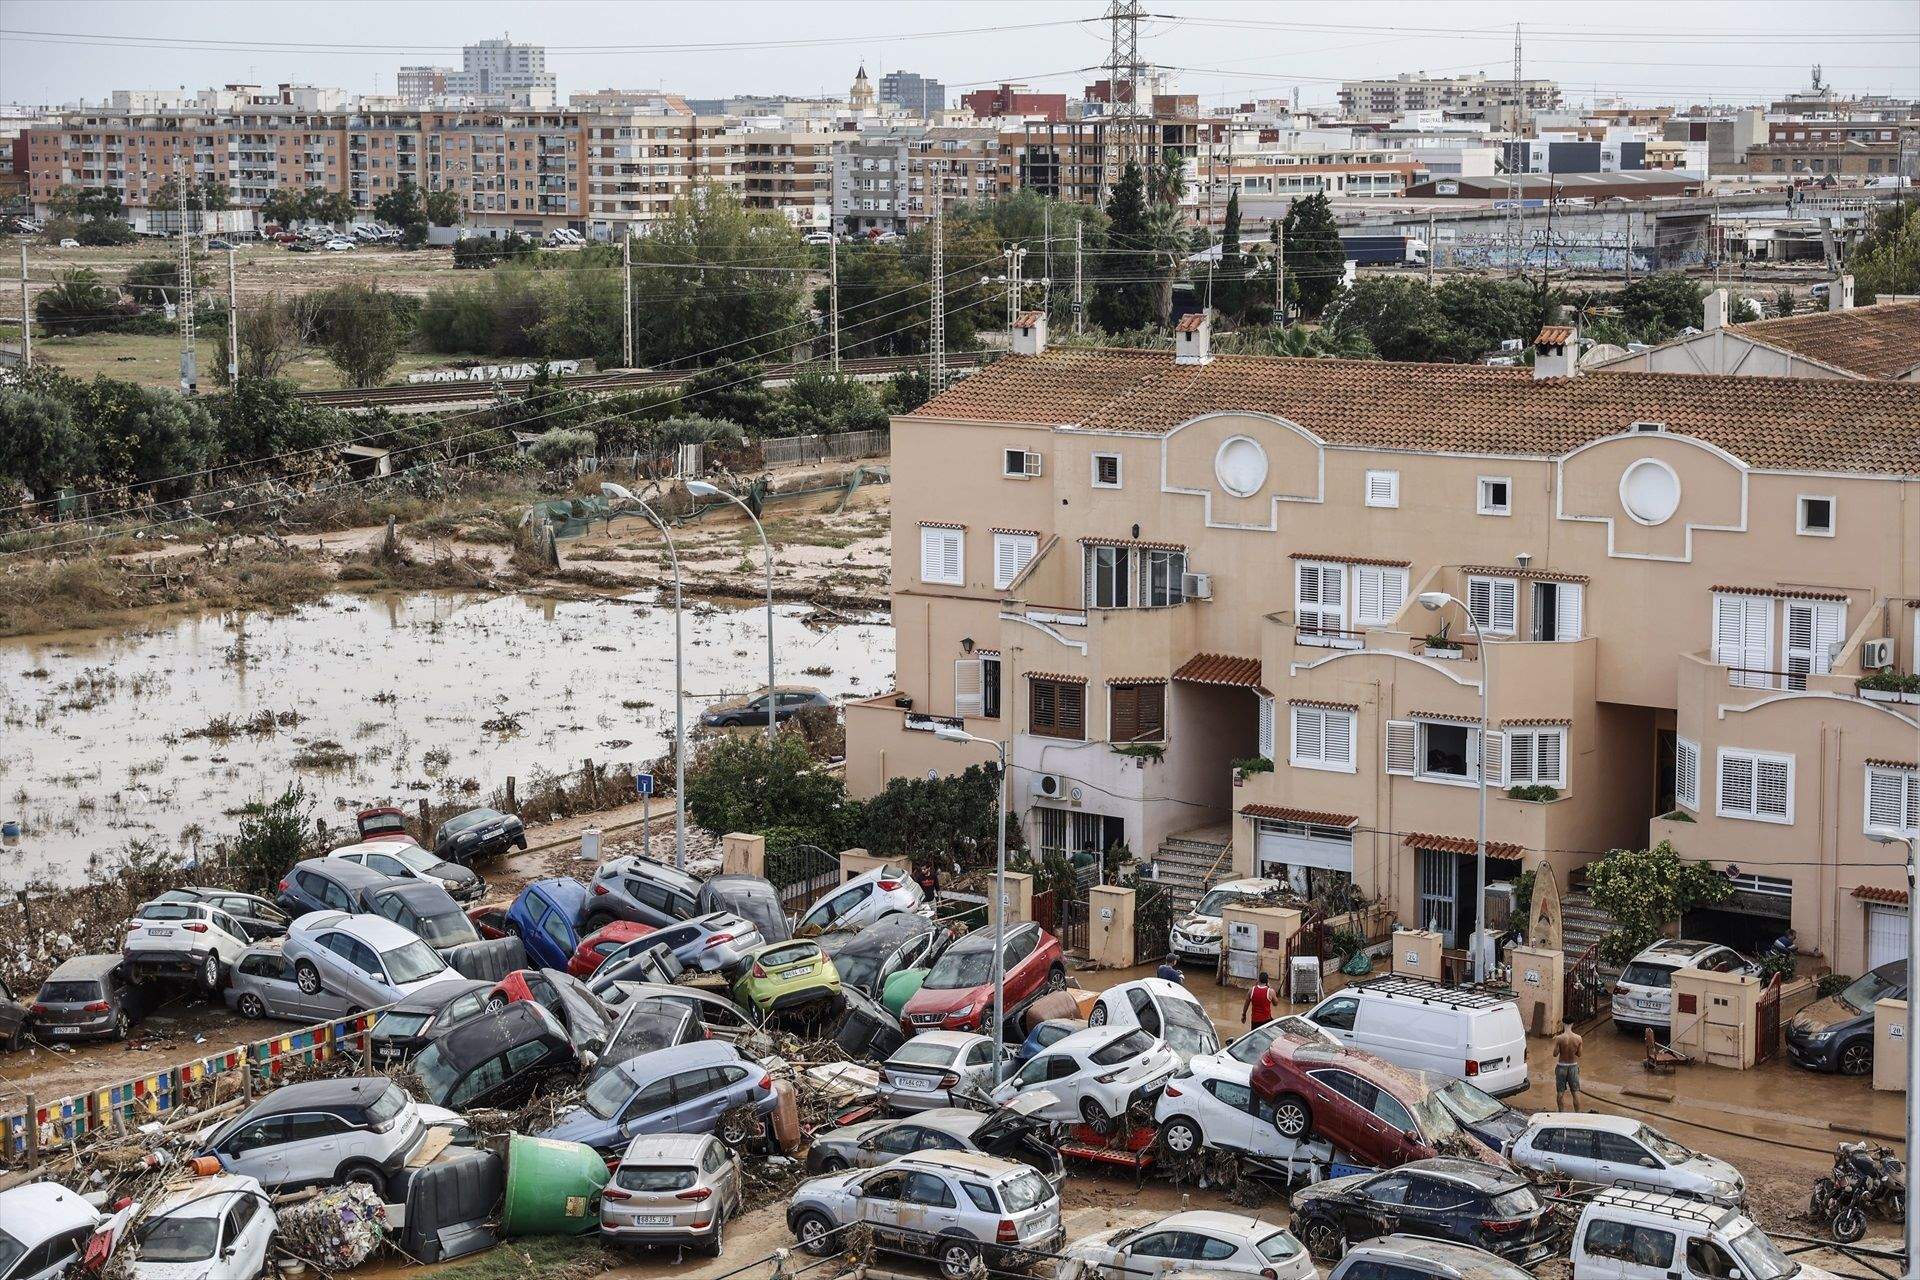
<point>553,1188</point>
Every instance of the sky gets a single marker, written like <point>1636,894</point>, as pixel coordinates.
<point>1684,51</point>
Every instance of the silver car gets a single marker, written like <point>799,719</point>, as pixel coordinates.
<point>957,1207</point>
<point>366,960</point>
<point>672,1188</point>
<point>864,899</point>
<point>717,942</point>
<point>263,986</point>
<point>358,1129</point>
<point>1010,1133</point>
<point>936,1068</point>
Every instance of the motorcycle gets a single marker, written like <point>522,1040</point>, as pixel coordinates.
<point>1866,1179</point>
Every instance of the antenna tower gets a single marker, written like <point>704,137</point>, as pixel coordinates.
<point>189,380</point>
<point>937,295</point>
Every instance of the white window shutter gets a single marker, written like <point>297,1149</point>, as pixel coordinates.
<point>1383,488</point>
<point>1266,728</point>
<point>1011,552</point>
<point>1393,593</point>
<point>1506,606</point>
<point>1799,641</point>
<point>1403,746</point>
<point>1480,600</point>
<point>1888,794</point>
<point>1686,773</point>
<point>1492,751</point>
<point>1333,579</point>
<point>1307,743</point>
<point>969,687</point>
<point>1550,757</point>
<point>1520,757</point>
<point>1337,732</point>
<point>1829,629</point>
<point>1367,594</point>
<point>1736,784</point>
<point>1567,624</point>
<point>1773,788</point>
<point>1742,637</point>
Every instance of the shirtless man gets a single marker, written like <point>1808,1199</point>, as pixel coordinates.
<point>1566,1067</point>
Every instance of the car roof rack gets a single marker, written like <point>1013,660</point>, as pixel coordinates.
<point>1429,992</point>
<point>1665,1202</point>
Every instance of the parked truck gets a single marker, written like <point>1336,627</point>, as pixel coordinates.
<point>1385,250</point>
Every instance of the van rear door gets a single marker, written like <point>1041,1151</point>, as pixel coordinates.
<point>1497,1045</point>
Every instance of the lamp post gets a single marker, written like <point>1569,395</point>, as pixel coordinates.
<point>620,493</point>
<point>947,733</point>
<point>1433,602</point>
<point>1882,835</point>
<point>701,489</point>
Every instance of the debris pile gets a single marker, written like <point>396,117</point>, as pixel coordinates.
<point>336,1230</point>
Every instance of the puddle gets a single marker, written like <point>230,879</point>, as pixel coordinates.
<point>161,732</point>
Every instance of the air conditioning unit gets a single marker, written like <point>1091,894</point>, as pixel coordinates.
<point>1048,786</point>
<point>1875,654</point>
<point>1196,586</point>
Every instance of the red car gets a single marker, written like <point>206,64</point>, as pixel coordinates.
<point>1376,1111</point>
<point>594,947</point>
<point>958,992</point>
<point>490,918</point>
<point>384,823</point>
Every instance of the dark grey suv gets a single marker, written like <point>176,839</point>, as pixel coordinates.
<point>87,997</point>
<point>330,884</point>
<point>643,891</point>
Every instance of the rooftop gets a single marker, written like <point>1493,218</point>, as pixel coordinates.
<point>1789,423</point>
<point>1875,342</point>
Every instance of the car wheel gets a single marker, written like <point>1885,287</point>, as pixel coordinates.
<point>1097,1016</point>
<point>251,1007</point>
<point>1181,1135</point>
<point>716,1243</point>
<point>307,977</point>
<point>1849,1224</point>
<point>956,1258</point>
<point>833,1164</point>
<point>17,1039</point>
<point>367,1176</point>
<point>496,1003</point>
<point>1097,1119</point>
<point>1323,1239</point>
<point>212,974</point>
<point>815,1232</point>
<point>1856,1057</point>
<point>735,1130</point>
<point>1292,1116</point>
<point>596,921</point>
<point>1056,979</point>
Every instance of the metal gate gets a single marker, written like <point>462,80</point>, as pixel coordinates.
<point>1766,1024</point>
<point>1070,913</point>
<point>803,874</point>
<point>1439,886</point>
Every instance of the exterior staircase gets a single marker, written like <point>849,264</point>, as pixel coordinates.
<point>1582,925</point>
<point>1188,867</point>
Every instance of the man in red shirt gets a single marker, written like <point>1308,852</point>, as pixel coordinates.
<point>1259,1004</point>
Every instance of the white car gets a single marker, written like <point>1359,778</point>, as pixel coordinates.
<point>44,1227</point>
<point>1198,1240</point>
<point>184,939</point>
<point>1621,1151</point>
<point>339,244</point>
<point>1097,1075</point>
<point>405,860</point>
<point>1643,996</point>
<point>213,1229</point>
<point>1196,935</point>
<point>1215,1105</point>
<point>864,899</point>
<point>69,243</point>
<point>1160,1008</point>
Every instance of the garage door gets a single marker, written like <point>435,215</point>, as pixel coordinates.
<point>1297,844</point>
<point>1886,935</point>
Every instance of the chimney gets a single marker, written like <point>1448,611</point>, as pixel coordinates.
<point>1030,333</point>
<point>1716,310</point>
<point>1192,339</point>
<point>1556,352</point>
<point>1840,294</point>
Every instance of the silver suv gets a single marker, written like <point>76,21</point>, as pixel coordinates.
<point>640,890</point>
<point>672,1188</point>
<point>360,1129</point>
<point>957,1207</point>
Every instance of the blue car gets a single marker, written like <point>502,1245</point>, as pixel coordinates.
<point>546,919</point>
<point>700,1087</point>
<point>1043,1036</point>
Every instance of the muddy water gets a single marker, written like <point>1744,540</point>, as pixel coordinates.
<point>111,736</point>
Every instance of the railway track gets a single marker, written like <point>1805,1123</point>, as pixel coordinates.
<point>436,393</point>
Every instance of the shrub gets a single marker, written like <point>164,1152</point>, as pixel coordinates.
<point>558,448</point>
<point>1644,891</point>
<point>1254,764</point>
<point>1536,791</point>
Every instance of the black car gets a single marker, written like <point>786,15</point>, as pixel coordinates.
<point>1475,1110</point>
<point>430,911</point>
<point>867,1030</point>
<point>408,1025</point>
<point>1836,1034</point>
<point>648,1024</point>
<point>790,702</point>
<point>751,897</point>
<point>498,1058</point>
<point>330,884</point>
<point>867,958</point>
<point>260,918</point>
<point>1443,1198</point>
<point>13,1019</point>
<point>654,964</point>
<point>86,997</point>
<point>478,833</point>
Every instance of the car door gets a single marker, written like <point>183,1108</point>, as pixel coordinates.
<point>888,1144</point>
<point>1397,1122</point>
<point>879,1204</point>
<point>1145,1012</point>
<point>1025,973</point>
<point>1337,1014</point>
<point>977,1066</point>
<point>677,939</point>
<point>928,1206</point>
<point>254,1150</point>
<point>233,939</point>
<point>1229,1121</point>
<point>377,988</point>
<point>557,939</point>
<point>650,1110</point>
<point>473,1088</point>
<point>1340,1112</point>
<point>699,1098</point>
<point>1621,1161</point>
<point>1375,1208</point>
<point>1158,1253</point>
<point>1566,1151</point>
<point>1630,1252</point>
<point>317,1143</point>
<point>50,1259</point>
<point>237,1237</point>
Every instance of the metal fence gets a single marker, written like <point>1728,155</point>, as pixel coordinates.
<point>839,446</point>
<point>802,874</point>
<point>34,1126</point>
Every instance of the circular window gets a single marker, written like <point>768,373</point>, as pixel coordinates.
<point>1650,491</point>
<point>1240,467</point>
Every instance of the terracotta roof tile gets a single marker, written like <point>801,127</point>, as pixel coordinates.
<point>1190,321</point>
<point>1875,342</point>
<point>1787,593</point>
<point>1056,676</point>
<point>1136,680</point>
<point>941,524</point>
<point>1514,571</point>
<point>1893,764</point>
<point>1537,721</point>
<point>1324,706</point>
<point>1445,716</point>
<point>1220,668</point>
<point>1554,335</point>
<point>1028,319</point>
<point>1886,897</point>
<point>1142,543</point>
<point>1030,533</point>
<point>1334,559</point>
<point>1279,813</point>
<point>1460,844</point>
<point>1830,424</point>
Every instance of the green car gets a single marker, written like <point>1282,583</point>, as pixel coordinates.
<point>899,988</point>
<point>787,975</point>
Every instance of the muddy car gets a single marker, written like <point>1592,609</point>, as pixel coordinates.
<point>1459,1200</point>
<point>431,912</point>
<point>13,1019</point>
<point>1836,1034</point>
<point>1382,1114</point>
<point>87,997</point>
<point>410,1025</point>
<point>478,833</point>
<point>497,1059</point>
<point>1009,1132</point>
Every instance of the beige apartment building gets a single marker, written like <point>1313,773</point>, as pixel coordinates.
<point>1137,568</point>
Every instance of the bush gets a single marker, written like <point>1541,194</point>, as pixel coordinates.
<point>741,783</point>
<point>1775,965</point>
<point>1536,791</point>
<point>558,448</point>
<point>1250,765</point>
<point>1645,891</point>
<point>102,232</point>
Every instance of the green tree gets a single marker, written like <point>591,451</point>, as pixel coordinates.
<point>743,783</point>
<point>79,302</point>
<point>555,449</point>
<point>145,436</point>
<point>951,818</point>
<point>1482,313</point>
<point>579,316</point>
<point>363,335</point>
<point>274,332</point>
<point>720,283</point>
<point>401,207</point>
<point>266,416</point>
<point>1656,308</point>
<point>1230,276</point>
<point>1123,294</point>
<point>94,203</point>
<point>1315,260</point>
<point>820,402</point>
<point>1322,344</point>
<point>731,393</point>
<point>330,206</point>
<point>283,206</point>
<point>1888,259</point>
<point>907,390</point>
<point>443,207</point>
<point>100,233</point>
<point>272,837</point>
<point>41,446</point>
<point>1401,319</point>
<point>155,282</point>
<point>1645,892</point>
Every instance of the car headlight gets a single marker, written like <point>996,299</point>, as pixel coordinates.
<point>1819,1037</point>
<point>466,836</point>
<point>963,1011</point>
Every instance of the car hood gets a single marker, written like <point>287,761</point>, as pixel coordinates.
<point>1824,1015</point>
<point>830,1182</point>
<point>1329,1187</point>
<point>577,1124</point>
<point>1713,1169</point>
<point>1198,926</point>
<point>1502,1129</point>
<point>1097,1249</point>
<point>945,999</point>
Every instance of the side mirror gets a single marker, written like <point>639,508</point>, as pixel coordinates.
<point>856,1192</point>
<point>1648,1162</point>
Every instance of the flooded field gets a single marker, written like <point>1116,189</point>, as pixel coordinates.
<point>162,732</point>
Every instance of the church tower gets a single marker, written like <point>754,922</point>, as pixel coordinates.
<point>861,95</point>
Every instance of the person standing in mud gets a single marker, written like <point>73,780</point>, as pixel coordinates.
<point>1566,1067</point>
<point>1257,1009</point>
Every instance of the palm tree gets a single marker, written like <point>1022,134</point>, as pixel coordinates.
<point>79,303</point>
<point>1323,343</point>
<point>1167,240</point>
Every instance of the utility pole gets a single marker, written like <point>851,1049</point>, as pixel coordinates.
<point>1516,224</point>
<point>189,380</point>
<point>26,313</point>
<point>937,295</point>
<point>1280,276</point>
<point>626,282</point>
<point>1430,243</point>
<point>1629,259</point>
<point>1046,242</point>
<point>233,326</point>
<point>833,291</point>
<point>1079,297</point>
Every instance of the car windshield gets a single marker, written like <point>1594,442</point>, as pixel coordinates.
<point>68,992</point>
<point>1870,988</point>
<point>1516,1202</point>
<point>857,970</point>
<point>168,911</point>
<point>1023,1191</point>
<point>448,929</point>
<point>1130,1045</point>
<point>383,824</point>
<point>410,854</point>
<point>959,969</point>
<point>1470,1103</point>
<point>393,1026</point>
<point>1436,1122</point>
<point>412,962</point>
<point>759,907</point>
<point>650,1025</point>
<point>1763,1258</point>
<point>1217,899</point>
<point>435,1072</point>
<point>478,818</point>
<point>792,954</point>
<point>606,1095</point>
<point>1251,1047</point>
<point>1641,974</point>
<point>923,1053</point>
<point>1663,1146</point>
<point>177,1239</point>
<point>1188,1030</point>
<point>1278,1247</point>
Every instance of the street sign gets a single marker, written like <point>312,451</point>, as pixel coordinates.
<point>643,784</point>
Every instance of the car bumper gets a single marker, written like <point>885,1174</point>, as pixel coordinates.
<point>897,1099</point>
<point>93,1025</point>
<point>1814,1057</point>
<point>801,999</point>
<point>629,1231</point>
<point>1193,948</point>
<point>183,963</point>
<point>1503,1084</point>
<point>1628,1013</point>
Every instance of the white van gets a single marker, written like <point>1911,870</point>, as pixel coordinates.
<point>1418,1024</point>
<point>1644,1235</point>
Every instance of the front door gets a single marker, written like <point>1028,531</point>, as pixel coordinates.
<point>1439,876</point>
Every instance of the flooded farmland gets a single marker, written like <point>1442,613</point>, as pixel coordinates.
<point>161,732</point>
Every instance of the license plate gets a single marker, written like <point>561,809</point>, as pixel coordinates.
<point>653,1220</point>
<point>159,933</point>
<point>800,972</point>
<point>916,1082</point>
<point>63,1031</point>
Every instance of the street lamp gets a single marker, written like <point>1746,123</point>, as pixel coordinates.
<point>1433,602</point>
<point>1883,835</point>
<point>701,489</point>
<point>948,733</point>
<point>620,493</point>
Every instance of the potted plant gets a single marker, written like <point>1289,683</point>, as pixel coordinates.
<point>1440,644</point>
<point>1888,685</point>
<point>1248,766</point>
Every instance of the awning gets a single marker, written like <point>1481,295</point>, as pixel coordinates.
<point>1881,897</point>
<point>1220,668</point>
<point>1460,844</point>
<point>1280,813</point>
